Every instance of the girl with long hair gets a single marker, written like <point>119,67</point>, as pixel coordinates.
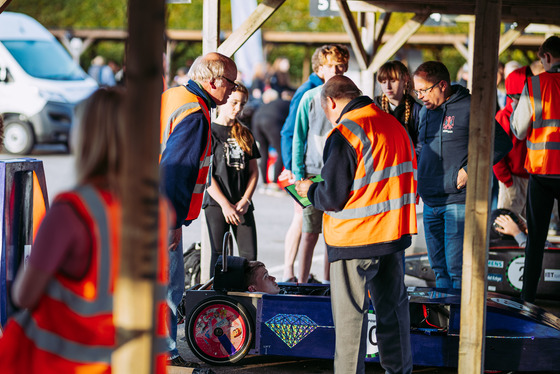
<point>397,85</point>
<point>234,179</point>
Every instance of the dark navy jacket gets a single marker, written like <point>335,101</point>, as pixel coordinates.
<point>181,158</point>
<point>442,148</point>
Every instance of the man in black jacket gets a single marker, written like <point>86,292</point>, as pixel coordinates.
<point>443,143</point>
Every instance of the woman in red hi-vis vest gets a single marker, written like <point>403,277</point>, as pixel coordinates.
<point>68,284</point>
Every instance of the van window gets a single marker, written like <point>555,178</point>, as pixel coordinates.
<point>44,59</point>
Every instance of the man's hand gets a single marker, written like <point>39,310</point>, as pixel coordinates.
<point>174,238</point>
<point>462,179</point>
<point>302,187</point>
<point>507,225</point>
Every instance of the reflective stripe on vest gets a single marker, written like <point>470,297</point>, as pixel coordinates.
<point>101,305</point>
<point>381,205</point>
<point>543,137</point>
<point>178,103</point>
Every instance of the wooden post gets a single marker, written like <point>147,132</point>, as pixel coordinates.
<point>481,148</point>
<point>134,291</point>
<point>210,26</point>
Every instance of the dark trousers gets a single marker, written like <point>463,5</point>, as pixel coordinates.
<point>268,136</point>
<point>541,193</point>
<point>245,234</point>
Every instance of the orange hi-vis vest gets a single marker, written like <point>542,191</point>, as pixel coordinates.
<point>543,137</point>
<point>72,329</point>
<point>176,104</point>
<point>381,206</point>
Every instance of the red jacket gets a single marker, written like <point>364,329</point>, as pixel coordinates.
<point>514,162</point>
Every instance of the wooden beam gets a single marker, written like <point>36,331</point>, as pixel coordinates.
<point>254,22</point>
<point>459,46</point>
<point>210,26</point>
<point>353,34</point>
<point>481,148</point>
<point>510,36</point>
<point>134,309</point>
<point>380,31</point>
<point>397,41</point>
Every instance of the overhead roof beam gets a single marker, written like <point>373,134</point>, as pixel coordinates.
<point>253,23</point>
<point>354,34</point>
<point>397,41</point>
<point>507,39</point>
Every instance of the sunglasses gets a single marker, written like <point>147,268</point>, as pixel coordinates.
<point>235,85</point>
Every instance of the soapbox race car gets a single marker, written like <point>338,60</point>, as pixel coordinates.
<point>224,324</point>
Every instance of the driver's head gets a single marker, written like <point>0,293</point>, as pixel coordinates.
<point>257,279</point>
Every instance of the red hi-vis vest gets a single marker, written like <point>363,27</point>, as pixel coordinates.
<point>381,206</point>
<point>72,329</point>
<point>176,104</point>
<point>543,137</point>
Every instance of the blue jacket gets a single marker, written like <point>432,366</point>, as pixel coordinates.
<point>180,160</point>
<point>287,132</point>
<point>442,149</point>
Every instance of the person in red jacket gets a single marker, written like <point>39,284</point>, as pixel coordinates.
<point>510,171</point>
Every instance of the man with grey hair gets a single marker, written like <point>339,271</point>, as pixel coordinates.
<point>185,161</point>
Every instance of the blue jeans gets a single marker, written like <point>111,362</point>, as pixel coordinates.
<point>175,291</point>
<point>444,227</point>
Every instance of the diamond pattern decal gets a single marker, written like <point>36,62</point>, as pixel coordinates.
<point>291,328</point>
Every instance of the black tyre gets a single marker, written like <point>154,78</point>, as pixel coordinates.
<point>219,331</point>
<point>18,137</point>
<point>191,259</point>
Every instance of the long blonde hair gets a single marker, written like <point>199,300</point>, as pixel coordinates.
<point>397,71</point>
<point>239,131</point>
<point>99,140</point>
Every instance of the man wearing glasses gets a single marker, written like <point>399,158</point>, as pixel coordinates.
<point>442,150</point>
<point>186,153</point>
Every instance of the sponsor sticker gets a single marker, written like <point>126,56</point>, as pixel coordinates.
<point>510,303</point>
<point>495,278</point>
<point>495,264</point>
<point>552,275</point>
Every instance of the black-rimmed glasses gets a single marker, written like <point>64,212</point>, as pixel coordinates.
<point>235,85</point>
<point>425,90</point>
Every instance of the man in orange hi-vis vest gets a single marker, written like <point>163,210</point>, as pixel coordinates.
<point>537,118</point>
<point>185,161</point>
<point>368,194</point>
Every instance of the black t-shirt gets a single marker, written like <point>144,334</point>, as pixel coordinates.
<point>230,167</point>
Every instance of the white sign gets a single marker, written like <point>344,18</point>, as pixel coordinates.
<point>515,272</point>
<point>552,275</point>
<point>371,337</point>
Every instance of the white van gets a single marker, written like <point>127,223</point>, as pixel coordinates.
<point>40,85</point>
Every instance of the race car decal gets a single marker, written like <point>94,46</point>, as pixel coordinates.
<point>292,328</point>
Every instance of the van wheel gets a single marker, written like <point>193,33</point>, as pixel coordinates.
<point>18,137</point>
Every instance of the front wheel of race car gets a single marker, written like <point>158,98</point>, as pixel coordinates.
<point>219,331</point>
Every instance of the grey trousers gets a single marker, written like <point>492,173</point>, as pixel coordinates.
<point>350,281</point>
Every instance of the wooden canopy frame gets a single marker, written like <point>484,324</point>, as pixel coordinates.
<point>137,277</point>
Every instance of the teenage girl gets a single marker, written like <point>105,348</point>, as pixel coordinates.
<point>396,99</point>
<point>234,179</point>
